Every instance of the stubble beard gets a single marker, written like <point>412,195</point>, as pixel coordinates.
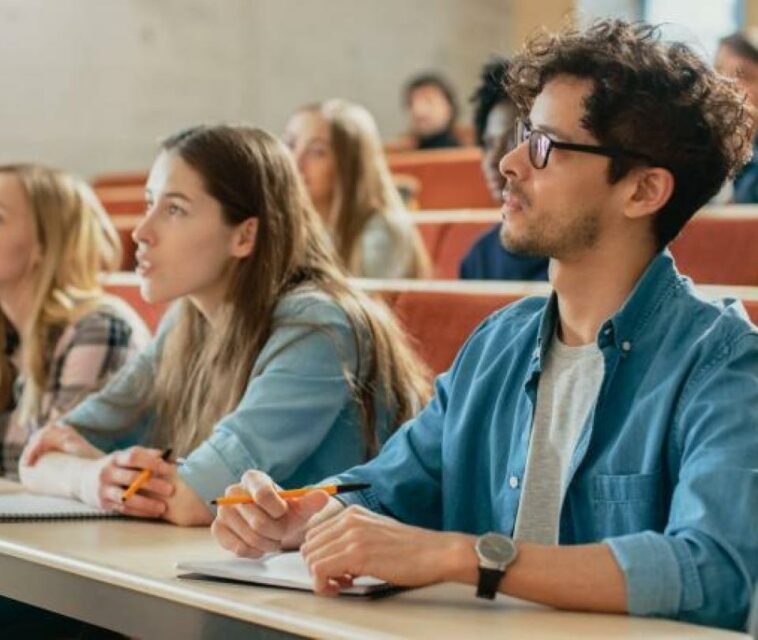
<point>571,237</point>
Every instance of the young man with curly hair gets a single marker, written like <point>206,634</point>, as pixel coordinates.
<point>594,450</point>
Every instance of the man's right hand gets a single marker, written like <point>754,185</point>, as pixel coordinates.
<point>271,523</point>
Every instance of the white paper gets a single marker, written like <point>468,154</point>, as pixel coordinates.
<point>276,569</point>
<point>21,506</point>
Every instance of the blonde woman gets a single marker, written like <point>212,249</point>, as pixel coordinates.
<point>60,336</point>
<point>270,360</point>
<point>339,153</point>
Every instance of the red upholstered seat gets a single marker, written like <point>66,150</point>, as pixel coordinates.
<point>720,247</point>
<point>449,178</point>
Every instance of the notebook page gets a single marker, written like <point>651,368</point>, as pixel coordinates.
<point>32,506</point>
<point>277,569</point>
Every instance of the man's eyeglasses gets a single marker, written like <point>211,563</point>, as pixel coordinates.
<point>540,145</point>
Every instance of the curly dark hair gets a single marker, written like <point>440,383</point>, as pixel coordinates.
<point>490,92</point>
<point>656,98</point>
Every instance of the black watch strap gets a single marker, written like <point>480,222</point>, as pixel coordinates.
<point>489,581</point>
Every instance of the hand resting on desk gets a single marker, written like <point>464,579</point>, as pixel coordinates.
<point>337,543</point>
<point>60,461</point>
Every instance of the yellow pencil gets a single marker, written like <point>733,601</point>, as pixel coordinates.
<point>141,479</point>
<point>331,489</point>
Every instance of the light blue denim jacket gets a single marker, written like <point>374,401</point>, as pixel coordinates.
<point>297,420</point>
<point>665,470</point>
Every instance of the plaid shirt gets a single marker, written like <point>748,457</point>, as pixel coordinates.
<point>84,356</point>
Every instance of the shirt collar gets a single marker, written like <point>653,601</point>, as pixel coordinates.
<point>627,323</point>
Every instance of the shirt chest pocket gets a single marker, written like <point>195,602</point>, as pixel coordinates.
<point>628,503</point>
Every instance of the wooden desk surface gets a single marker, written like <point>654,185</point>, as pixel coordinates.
<point>140,557</point>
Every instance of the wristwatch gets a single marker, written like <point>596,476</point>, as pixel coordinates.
<point>495,552</point>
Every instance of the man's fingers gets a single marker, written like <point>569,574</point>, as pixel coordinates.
<point>264,492</point>
<point>259,521</point>
<point>307,506</point>
<point>231,542</point>
<point>252,538</point>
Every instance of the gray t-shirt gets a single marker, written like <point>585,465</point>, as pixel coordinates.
<point>568,388</point>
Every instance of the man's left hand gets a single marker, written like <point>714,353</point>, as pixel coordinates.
<point>358,542</point>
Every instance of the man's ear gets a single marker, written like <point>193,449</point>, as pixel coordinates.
<point>651,189</point>
<point>243,241</point>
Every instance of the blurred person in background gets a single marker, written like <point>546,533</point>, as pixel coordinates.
<point>432,108</point>
<point>737,57</point>
<point>339,154</point>
<point>495,126</point>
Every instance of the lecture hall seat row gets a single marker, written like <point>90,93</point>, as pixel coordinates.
<point>438,315</point>
<point>719,246</point>
<point>437,179</point>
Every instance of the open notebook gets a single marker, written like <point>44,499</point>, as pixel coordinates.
<point>17,507</point>
<point>276,570</point>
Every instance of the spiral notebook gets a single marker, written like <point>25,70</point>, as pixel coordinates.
<point>19,507</point>
<point>286,570</point>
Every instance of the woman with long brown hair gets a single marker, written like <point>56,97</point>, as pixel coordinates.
<point>339,153</point>
<point>270,359</point>
<point>61,336</point>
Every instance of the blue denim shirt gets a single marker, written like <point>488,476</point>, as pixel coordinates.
<point>746,182</point>
<point>665,470</point>
<point>297,420</point>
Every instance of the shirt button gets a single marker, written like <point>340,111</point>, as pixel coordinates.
<point>513,482</point>
<point>626,346</point>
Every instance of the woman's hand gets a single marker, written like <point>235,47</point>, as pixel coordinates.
<point>104,481</point>
<point>57,437</point>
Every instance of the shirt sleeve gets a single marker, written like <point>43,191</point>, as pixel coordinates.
<point>295,395</point>
<point>702,567</point>
<point>119,414</point>
<point>99,345</point>
<point>406,476</point>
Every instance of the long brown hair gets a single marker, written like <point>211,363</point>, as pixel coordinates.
<point>204,372</point>
<point>77,242</point>
<point>364,186</point>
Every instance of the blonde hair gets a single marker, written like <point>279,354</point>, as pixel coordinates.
<point>364,186</point>
<point>77,241</point>
<point>203,372</point>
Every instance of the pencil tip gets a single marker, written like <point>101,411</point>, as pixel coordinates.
<point>214,502</point>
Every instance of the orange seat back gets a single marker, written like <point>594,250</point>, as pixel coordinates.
<point>448,178</point>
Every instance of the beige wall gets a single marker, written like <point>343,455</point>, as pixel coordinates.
<point>90,85</point>
<point>751,13</point>
<point>528,15</point>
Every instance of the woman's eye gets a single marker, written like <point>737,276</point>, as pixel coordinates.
<point>175,210</point>
<point>318,152</point>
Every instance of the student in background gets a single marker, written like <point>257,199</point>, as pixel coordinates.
<point>432,112</point>
<point>339,154</point>
<point>270,359</point>
<point>594,450</point>
<point>495,124</point>
<point>737,57</point>
<point>61,337</point>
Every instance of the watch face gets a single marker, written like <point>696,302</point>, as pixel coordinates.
<point>496,548</point>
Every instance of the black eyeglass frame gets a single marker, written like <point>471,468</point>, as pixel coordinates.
<point>524,133</point>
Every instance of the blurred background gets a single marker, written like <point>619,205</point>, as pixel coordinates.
<point>91,85</point>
